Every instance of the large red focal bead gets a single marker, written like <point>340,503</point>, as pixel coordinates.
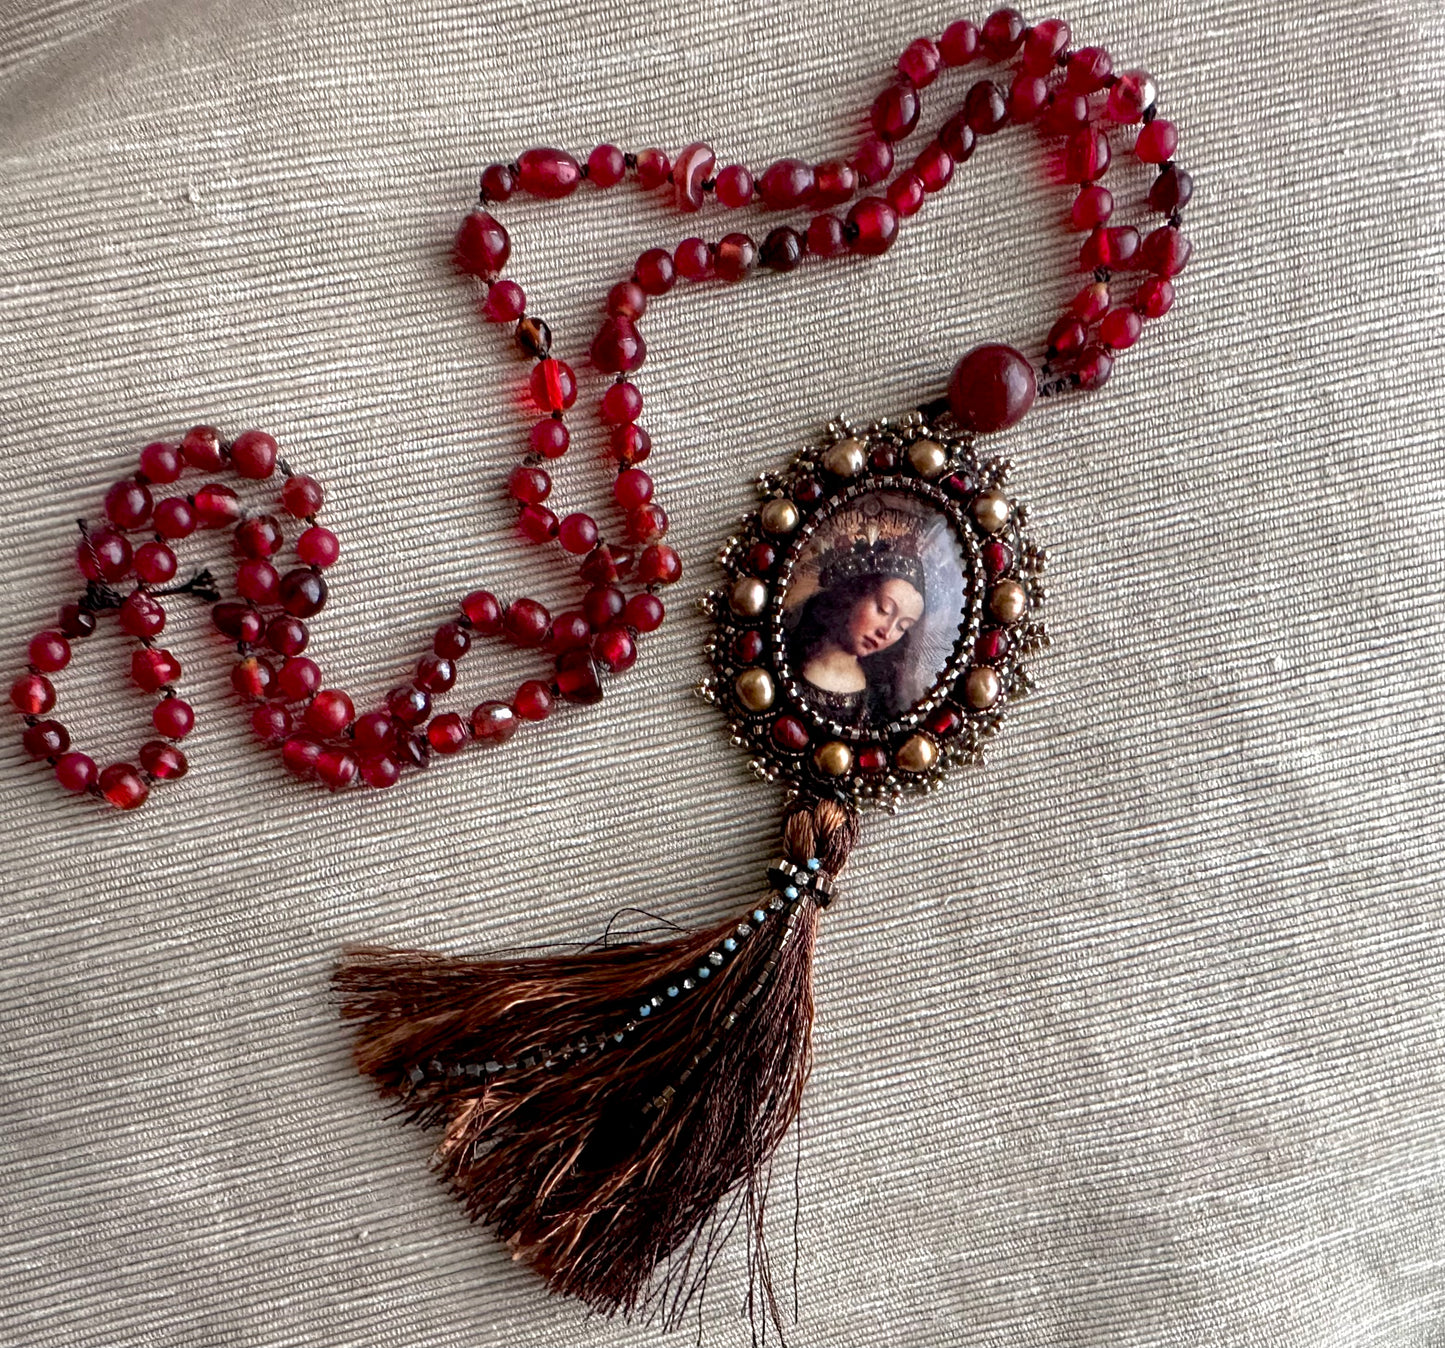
<point>991,388</point>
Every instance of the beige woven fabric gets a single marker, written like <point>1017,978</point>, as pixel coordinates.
<point>1132,1038</point>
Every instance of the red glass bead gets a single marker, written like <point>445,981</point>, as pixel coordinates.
<point>317,546</point>
<point>300,754</point>
<point>692,169</point>
<point>655,271</point>
<point>238,621</point>
<point>1166,252</point>
<point>1028,96</point>
<point>569,630</point>
<point>1171,190</point>
<point>484,612</point>
<point>943,722</point>
<point>630,445</point>
<point>174,518</point>
<point>618,348</point>
<point>735,257</point>
<point>435,673</point>
<point>959,43</point>
<point>632,488</point>
<point>546,172</point>
<point>627,299</point>
<point>604,564</point>
<point>643,612</point>
<point>173,717</point>
<point>163,761</point>
<point>659,565</point>
<point>1089,69</point>
<point>1092,207</point>
<point>606,166</point>
<point>653,168</point>
<point>790,735</point>
<point>1154,298</point>
<point>303,592</point>
<point>554,386</point>
<point>447,733</point>
<point>258,581</point>
<point>45,739</point>
<point>533,701</point>
<point>601,604</point>
<point>50,651</point>
<point>411,749</point>
<point>872,758</point>
<point>827,237</point>
<point>1091,303</point>
<point>577,533</point>
<point>498,182</point>
<point>152,669</point>
<point>104,555</point>
<point>748,647</point>
<point>142,616</point>
<point>873,223</point>
<point>451,641</point>
<point>336,769</point>
<point>201,448</point>
<point>991,388</point>
<point>920,62</point>
<point>549,438</point>
<point>76,772</point>
<point>537,524</point>
<point>526,621</point>
<point>254,455</point>
<point>646,524</point>
<point>905,194</point>
<point>529,485</point>
<point>1094,367</point>
<point>494,722</point>
<point>505,302</point>
<point>271,723</point>
<point>1112,246</point>
<point>991,646</point>
<point>873,161</point>
<point>1086,155</point>
<point>409,705</point>
<point>252,678</point>
<point>161,463</point>
<point>302,496</point>
<point>76,621</point>
<point>894,113</point>
<point>693,259</point>
<point>155,563</point>
<point>380,771</point>
<point>1066,112</point>
<point>957,137</point>
<point>786,184</point>
<point>330,712</point>
<point>287,636</point>
<point>734,186</point>
<point>123,786</point>
<point>298,678</point>
<point>615,648</point>
<point>216,506</point>
<point>984,108</point>
<point>1130,97</point>
<point>260,536</point>
<point>834,182</point>
<point>1044,43</point>
<point>373,733</point>
<point>128,504</point>
<point>1157,142</point>
<point>621,404</point>
<point>1120,328</point>
<point>782,250</point>
<point>1067,337</point>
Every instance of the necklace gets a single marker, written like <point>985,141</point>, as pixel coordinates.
<point>609,1111</point>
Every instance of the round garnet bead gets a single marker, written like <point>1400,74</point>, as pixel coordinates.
<point>374,732</point>
<point>546,172</point>
<point>537,523</point>
<point>330,712</point>
<point>155,563</point>
<point>615,648</point>
<point>621,405</point>
<point>533,701</point>
<point>734,186</point>
<point>653,167</point>
<point>827,236</point>
<point>410,705</point>
<point>643,612</point>
<point>287,635</point>
<point>303,592</point>
<point>447,733</point>
<point>482,246</point>
<point>1154,298</point>
<point>252,678</point>
<point>498,182</point>
<point>302,495</point>
<point>451,641</point>
<point>272,723</point>
<point>482,609</point>
<point>32,694</point>
<point>553,384</point>
<point>549,438</point>
<point>142,616</point>
<point>577,533</point>
<point>216,506</point>
<point>787,184</point>
<point>1157,142</point>
<point>128,504</point>
<point>601,604</point>
<point>1120,328</point>
<point>873,161</point>
<point>1171,190</point>
<point>49,652</point>
<point>905,194</point>
<point>254,454</point>
<point>873,225</point>
<point>123,786</point>
<point>693,259</point>
<point>1086,156</point>
<point>335,768</point>
<point>505,302</point>
<point>152,669</point>
<point>435,673</point>
<point>104,555</point>
<point>959,43</point>
<point>618,348</point>
<point>1092,207</point>
<point>259,536</point>
<point>1165,252</point>
<point>300,755</point>
<point>380,771</point>
<point>173,718</point>
<point>531,486</point>
<point>161,463</point>
<point>790,735</point>
<point>174,518</point>
<point>659,565</point>
<point>895,111</point>
<point>163,761</point>
<point>991,388</point>
<point>985,108</point>
<point>45,739</point>
<point>258,581</point>
<point>201,448</point>
<point>606,166</point>
<point>920,62</point>
<point>1088,70</point>
<point>494,722</point>
<point>1002,34</point>
<point>526,622</point>
<point>569,630</point>
<point>835,182</point>
<point>736,256</point>
<point>655,271</point>
<point>1044,43</point>
<point>76,772</point>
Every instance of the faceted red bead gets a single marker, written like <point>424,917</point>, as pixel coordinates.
<point>123,786</point>
<point>494,722</point>
<point>302,496</point>
<point>447,733</point>
<point>161,462</point>
<point>482,610</point>
<point>659,565</point>
<point>481,247</point>
<point>45,739</point>
<point>409,705</point>
<point>1044,43</point>
<point>287,635</point>
<point>873,224</point>
<point>653,168</point>
<point>336,769</point>
<point>216,506</point>
<point>1120,328</point>
<point>549,438</point>
<point>272,723</point>
<point>618,348</point>
<point>252,678</point>
<point>142,616</point>
<point>258,581</point>
<point>1154,298</point>
<point>537,524</point>
<point>174,518</point>
<point>1171,190</point>
<point>298,679</point>
<point>1089,69</point>
<point>533,701</point>
<point>254,455</point>
<point>163,761</point>
<point>32,695</point>
<point>734,186</point>
<point>318,546</point>
<point>905,194</point>
<point>569,630</point>
<point>655,271</point>
<point>1130,97</point>
<point>693,259</point>
<point>1086,155</point>
<point>374,732</point>
<point>761,558</point>
<point>615,648</point>
<point>872,758</point>
<point>1092,207</point>
<point>1067,337</point>
<point>1028,96</point>
<point>76,621</point>
<point>991,388</point>
<point>173,717</point>
<point>627,299</point>
<point>943,721</point>
<point>984,108</point>
<point>380,771</point>
<point>692,168</point>
<point>554,386</point>
<point>601,604</point>
<point>920,62</point>
<point>1091,303</point>
<point>959,43</point>
<point>76,772</point>
<point>621,404</point>
<point>873,161</point>
<point>1157,142</point>
<point>152,669</point>
<point>330,712</point>
<point>630,444</point>
<point>155,563</point>
<point>201,448</point>
<point>303,592</point>
<point>643,612</point>
<point>748,647</point>
<point>529,485</point>
<point>736,256</point>
<point>238,621</point>
<point>827,237</point>
<point>526,621</point>
<point>49,651</point>
<point>606,166</point>
<point>957,137</point>
<point>505,302</point>
<point>1066,112</point>
<point>1166,252</point>
<point>991,646</point>
<point>1002,34</point>
<point>577,533</point>
<point>788,183</point>
<point>790,735</point>
<point>498,182</point>
<point>128,504</point>
<point>834,182</point>
<point>883,458</point>
<point>1094,367</point>
<point>548,173</point>
<point>895,112</point>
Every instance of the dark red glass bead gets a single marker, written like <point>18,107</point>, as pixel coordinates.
<point>959,43</point>
<point>252,678</point>
<point>549,438</point>
<point>872,758</point>
<point>152,669</point>
<point>606,166</point>
<point>298,678</point>
<point>76,772</point>
<point>123,786</point>
<point>1130,97</point>
<point>790,735</point>
<point>526,621</point>
<point>482,609</point>
<point>238,621</point>
<point>142,616</point>
<point>174,518</point>
<point>173,717</point>
<point>76,621</point>
<point>577,533</point>
<point>302,496</point>
<point>627,299</point>
<point>494,722</point>
<point>920,62</point>
<point>934,167</point>
<point>997,557</point>
<point>300,754</point>
<point>957,138</point>
<point>1120,328</point>
<point>827,237</point>
<point>806,490</point>
<point>104,555</point>
<point>621,404</point>
<point>1166,252</point>
<point>155,563</point>
<point>49,651</point>
<point>1114,246</point>
<point>882,458</point>
<point>653,168</point>
<point>303,592</point>
<point>1157,142</point>
<point>748,647</point>
<point>788,183</point>
<point>630,445</point>
<point>646,524</point>
<point>45,739</point>
<point>549,173</point>
<point>271,723</point>
<point>161,462</point>
<point>1044,43</point>
<point>618,348</point>
<point>985,109</point>
<point>873,161</point>
<point>1094,367</point>
<point>533,701</point>
<point>451,641</point>
<point>259,536</point>
<point>1088,70</point>
<point>435,673</point>
<point>201,448</point>
<point>330,712</point>
<point>873,224</point>
<point>615,649</point>
<point>447,733</point>
<point>1066,112</point>
<point>782,250</point>
<point>336,768</point>
<point>409,705</point>
<point>632,488</point>
<point>1086,155</point>
<point>287,636</point>
<point>894,113</point>
<point>659,565</point>
<point>537,524</point>
<point>505,302</point>
<point>736,255</point>
<point>553,385</point>
<point>163,761</point>
<point>644,612</point>
<point>734,186</point>
<point>258,581</point>
<point>128,504</point>
<point>693,260</point>
<point>569,630</point>
<point>380,771</point>
<point>655,271</point>
<point>943,721</point>
<point>693,167</point>
<point>1092,207</point>
<point>374,732</point>
<point>1091,303</point>
<point>905,194</point>
<point>1002,34</point>
<point>991,646</point>
<point>1171,190</point>
<point>531,486</point>
<point>601,604</point>
<point>1067,337</point>
<point>834,182</point>
<point>482,246</point>
<point>498,182</point>
<point>991,388</point>
<point>1154,298</point>
<point>254,455</point>
<point>411,749</point>
<point>216,506</point>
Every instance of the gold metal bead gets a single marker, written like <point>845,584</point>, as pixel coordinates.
<point>928,457</point>
<point>754,688</point>
<point>1008,601</point>
<point>992,511</point>
<point>918,754</point>
<point>779,516</point>
<point>833,758</point>
<point>748,596</point>
<point>982,687</point>
<point>845,459</point>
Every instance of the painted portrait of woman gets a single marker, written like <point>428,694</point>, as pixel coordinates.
<point>873,610</point>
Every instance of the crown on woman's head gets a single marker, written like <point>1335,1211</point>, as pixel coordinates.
<point>893,558</point>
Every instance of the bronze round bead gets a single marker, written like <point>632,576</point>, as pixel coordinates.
<point>845,459</point>
<point>982,687</point>
<point>918,753</point>
<point>833,759</point>
<point>534,336</point>
<point>1008,601</point>
<point>992,511</point>
<point>779,516</point>
<point>928,457</point>
<point>748,596</point>
<point>755,690</point>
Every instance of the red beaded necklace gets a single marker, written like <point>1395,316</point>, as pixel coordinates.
<point>600,1109</point>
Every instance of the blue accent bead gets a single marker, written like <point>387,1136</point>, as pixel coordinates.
<point>703,971</point>
<point>759,916</point>
<point>644,1010</point>
<point>618,1036</point>
<point>814,864</point>
<point>730,945</point>
<point>672,991</point>
<point>791,892</point>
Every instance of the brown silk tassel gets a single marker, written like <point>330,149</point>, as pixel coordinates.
<point>610,1148</point>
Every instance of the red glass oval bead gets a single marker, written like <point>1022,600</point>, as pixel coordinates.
<point>1088,70</point>
<point>984,108</point>
<point>482,609</point>
<point>1157,142</point>
<point>142,616</point>
<point>621,404</point>
<point>317,546</point>
<point>1091,303</point>
<point>409,705</point>
<point>643,612</point>
<point>577,533</point>
<point>216,506</point>
<point>272,723</point>
<point>1086,155</point>
<point>606,166</point>
<point>920,62</point>
<point>123,786</point>
<point>957,137</point>
<point>330,712</point>
<point>253,678</point>
<point>1002,34</point>
<point>173,717</point>
<point>76,621</point>
<point>735,257</point>
<point>494,722</point>
<point>526,621</point>
<point>498,183</point>
<point>569,630</point>
<point>790,735</point>
<point>76,772</point>
<point>1120,328</point>
<point>374,732</point>
<point>128,504</point>
<point>260,536</point>
<point>601,604</point>
<point>894,113</point>
<point>873,161</point>
<point>786,184</point>
<point>905,194</point>
<point>300,754</point>
<point>1094,367</point>
<point>1044,43</point>
<point>694,260</point>
<point>873,224</point>
<point>991,388</point>
<point>659,565</point>
<point>1154,297</point>
<point>155,563</point>
<point>336,769</point>
<point>529,485</point>
<point>1067,337</point>
<point>1130,97</point>
<point>1165,252</point>
<point>959,43</point>
<point>258,581</point>
<point>834,182</point>
<point>627,299</point>
<point>546,172</point>
<point>435,673</point>
<point>1171,190</point>
<point>1028,96</point>
<point>287,635</point>
<point>380,771</point>
<point>655,271</point>
<point>161,462</point>
<point>174,518</point>
<point>162,761</point>
<point>238,621</point>
<point>630,444</point>
<point>49,652</point>
<point>152,669</point>
<point>632,488</point>
<point>45,739</point>
<point>303,592</point>
<point>734,186</point>
<point>302,496</point>
<point>537,524</point>
<point>549,438</point>
<point>827,237</point>
<point>653,168</point>
<point>201,448</point>
<point>505,302</point>
<point>553,385</point>
<point>615,649</point>
<point>298,678</point>
<point>691,169</point>
<point>1092,207</point>
<point>618,348</point>
<point>253,455</point>
<point>447,733</point>
<point>533,701</point>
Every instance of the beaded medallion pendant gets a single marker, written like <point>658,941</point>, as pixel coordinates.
<point>611,1112</point>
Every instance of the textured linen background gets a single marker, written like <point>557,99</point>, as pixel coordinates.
<point>1131,1039</point>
